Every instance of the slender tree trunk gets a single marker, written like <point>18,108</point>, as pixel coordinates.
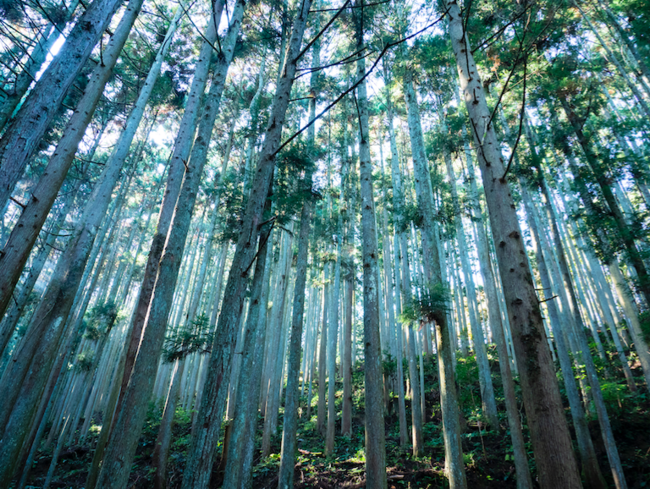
<point>28,226</point>
<point>321,422</point>
<point>182,148</point>
<point>243,426</point>
<point>494,314</point>
<point>287,457</point>
<point>615,61</point>
<point>632,312</point>
<point>33,64</point>
<point>485,379</point>
<point>23,384</point>
<point>207,430</point>
<point>375,435</point>
<point>590,469</point>
<point>619,218</point>
<point>556,463</point>
<point>124,437</point>
<point>24,133</point>
<point>398,205</point>
<point>275,352</point>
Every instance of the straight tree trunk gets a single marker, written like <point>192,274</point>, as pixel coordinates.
<point>243,427</point>
<point>485,379</point>
<point>292,400</point>
<point>34,63</point>
<point>615,61</point>
<point>433,271</point>
<point>274,360</point>
<point>205,437</point>
<point>24,133</point>
<point>554,457</point>
<point>288,456</point>
<point>321,418</point>
<point>22,385</point>
<point>494,314</point>
<point>375,435</point>
<point>590,469</point>
<point>398,205</point>
<point>126,432</point>
<point>182,147</point>
<point>26,230</point>
<point>602,179</point>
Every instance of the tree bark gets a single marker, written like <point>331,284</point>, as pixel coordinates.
<point>494,315</point>
<point>33,65</point>
<point>548,428</point>
<point>485,379</point>
<point>206,434</point>
<point>24,133</point>
<point>375,435</point>
<point>26,229</point>
<point>126,431</point>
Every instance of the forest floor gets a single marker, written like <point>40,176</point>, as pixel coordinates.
<point>487,453</point>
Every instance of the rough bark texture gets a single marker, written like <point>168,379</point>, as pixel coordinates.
<point>288,455</point>
<point>242,432</point>
<point>494,314</point>
<point>485,380</point>
<point>375,436</point>
<point>26,229</point>
<point>206,434</point>
<point>182,146</point>
<point>24,133</point>
<point>124,437</point>
<point>550,436</point>
<point>590,468</point>
<point>33,65</point>
<point>292,400</point>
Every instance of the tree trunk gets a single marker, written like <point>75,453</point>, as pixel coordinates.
<point>182,147</point>
<point>292,400</point>
<point>207,430</point>
<point>375,435</point>
<point>287,457</point>
<point>126,431</point>
<point>24,133</point>
<point>548,428</point>
<point>494,314</point>
<point>485,379</point>
<point>398,216</point>
<point>590,469</point>
<point>47,329</point>
<point>33,64</point>
<point>28,226</point>
<point>617,214</point>
<point>243,426</point>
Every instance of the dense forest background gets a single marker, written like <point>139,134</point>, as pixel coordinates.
<point>301,243</point>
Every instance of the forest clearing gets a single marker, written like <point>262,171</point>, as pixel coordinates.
<point>317,244</point>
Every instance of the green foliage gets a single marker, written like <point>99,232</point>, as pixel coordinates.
<point>432,305</point>
<point>644,320</point>
<point>389,365</point>
<point>293,163</point>
<point>11,11</point>
<point>617,397</point>
<point>100,320</point>
<point>197,337</point>
<point>85,361</point>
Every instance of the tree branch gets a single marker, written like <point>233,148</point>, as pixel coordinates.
<point>521,121</point>
<point>358,82</point>
<point>322,31</point>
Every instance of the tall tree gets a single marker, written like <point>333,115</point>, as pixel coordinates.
<point>25,131</point>
<point>548,427</point>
